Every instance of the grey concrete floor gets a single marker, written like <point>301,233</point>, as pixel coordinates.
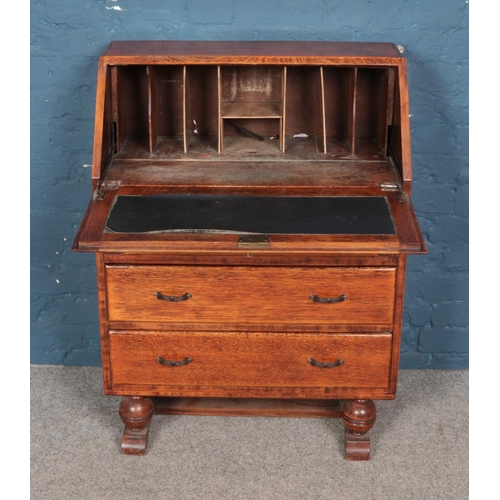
<point>420,447</point>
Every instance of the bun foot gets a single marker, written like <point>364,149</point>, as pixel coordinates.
<point>357,447</point>
<point>135,442</point>
<point>136,413</point>
<point>359,417</point>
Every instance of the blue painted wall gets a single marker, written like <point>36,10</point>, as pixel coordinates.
<point>68,37</point>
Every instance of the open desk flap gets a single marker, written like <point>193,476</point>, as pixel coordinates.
<point>353,222</point>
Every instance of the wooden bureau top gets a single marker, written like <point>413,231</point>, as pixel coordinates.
<point>254,52</point>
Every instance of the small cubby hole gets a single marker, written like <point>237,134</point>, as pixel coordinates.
<point>373,105</point>
<point>149,109</point>
<point>251,102</point>
<point>166,110</point>
<point>130,93</point>
<point>304,128</point>
<point>341,111</point>
<point>338,98</point>
<point>201,123</point>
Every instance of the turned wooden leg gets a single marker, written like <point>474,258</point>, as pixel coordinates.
<point>136,413</point>
<point>359,416</point>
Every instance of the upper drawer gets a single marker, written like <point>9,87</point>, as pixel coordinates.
<point>251,295</point>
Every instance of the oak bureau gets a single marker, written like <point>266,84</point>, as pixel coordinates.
<point>251,216</point>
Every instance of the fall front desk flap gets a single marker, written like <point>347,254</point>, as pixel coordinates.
<point>250,214</point>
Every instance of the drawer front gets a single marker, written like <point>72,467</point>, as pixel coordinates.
<point>203,359</point>
<point>246,295</point>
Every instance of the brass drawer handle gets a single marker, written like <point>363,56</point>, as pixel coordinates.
<point>328,300</point>
<point>313,362</point>
<point>167,362</point>
<point>173,298</point>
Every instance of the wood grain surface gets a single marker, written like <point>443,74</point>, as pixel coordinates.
<point>248,360</point>
<point>251,294</point>
<point>293,326</point>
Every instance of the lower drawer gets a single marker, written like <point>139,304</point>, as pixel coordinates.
<point>202,360</point>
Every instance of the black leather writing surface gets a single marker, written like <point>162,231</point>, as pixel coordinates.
<point>251,214</point>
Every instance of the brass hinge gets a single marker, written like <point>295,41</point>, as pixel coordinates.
<point>394,187</point>
<point>106,186</point>
<point>390,186</point>
<point>253,241</point>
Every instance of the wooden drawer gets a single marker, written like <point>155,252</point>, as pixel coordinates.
<point>251,295</point>
<point>248,360</point>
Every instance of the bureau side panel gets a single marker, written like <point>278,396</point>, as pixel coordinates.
<point>398,321</point>
<point>103,320</point>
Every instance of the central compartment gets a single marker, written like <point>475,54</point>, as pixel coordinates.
<point>252,106</point>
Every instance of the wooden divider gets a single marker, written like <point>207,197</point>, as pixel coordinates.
<point>219,111</point>
<point>352,112</point>
<point>323,110</point>
<point>283,124</point>
<point>152,108</point>
<point>186,109</point>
